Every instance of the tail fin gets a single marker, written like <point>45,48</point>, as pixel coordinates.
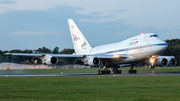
<point>79,41</point>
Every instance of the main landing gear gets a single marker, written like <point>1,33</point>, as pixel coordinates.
<point>131,71</point>
<point>106,71</point>
<point>116,71</point>
<point>103,69</point>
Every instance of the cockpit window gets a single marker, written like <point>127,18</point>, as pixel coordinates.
<point>154,36</point>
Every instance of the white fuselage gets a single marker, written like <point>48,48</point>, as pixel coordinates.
<point>138,48</point>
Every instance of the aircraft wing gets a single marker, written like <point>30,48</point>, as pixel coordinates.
<point>69,55</point>
<point>46,54</point>
<point>52,59</point>
<point>24,54</point>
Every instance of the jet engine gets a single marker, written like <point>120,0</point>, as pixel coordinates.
<point>161,62</point>
<point>49,60</point>
<point>171,60</point>
<point>93,61</point>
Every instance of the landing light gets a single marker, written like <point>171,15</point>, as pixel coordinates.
<point>152,60</point>
<point>116,56</point>
<point>142,33</point>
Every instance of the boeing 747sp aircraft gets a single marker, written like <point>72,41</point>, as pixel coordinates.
<point>130,51</point>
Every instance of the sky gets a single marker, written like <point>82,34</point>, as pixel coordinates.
<point>32,24</point>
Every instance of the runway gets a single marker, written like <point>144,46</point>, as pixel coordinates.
<point>90,74</point>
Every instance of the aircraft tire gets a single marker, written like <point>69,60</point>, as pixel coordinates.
<point>129,71</point>
<point>98,71</point>
<point>101,72</point>
<point>135,71</point>
<point>120,71</point>
<point>152,67</point>
<point>117,72</point>
<point>107,72</point>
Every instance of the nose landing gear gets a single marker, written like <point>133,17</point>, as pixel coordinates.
<point>131,71</point>
<point>152,66</point>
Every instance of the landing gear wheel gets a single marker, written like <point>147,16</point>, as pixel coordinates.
<point>119,71</point>
<point>99,72</point>
<point>135,71</point>
<point>152,67</point>
<point>115,72</point>
<point>132,71</point>
<point>105,71</point>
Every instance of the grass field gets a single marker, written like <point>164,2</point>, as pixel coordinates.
<point>118,88</point>
<point>149,88</point>
<point>86,70</point>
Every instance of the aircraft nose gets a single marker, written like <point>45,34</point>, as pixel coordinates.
<point>164,46</point>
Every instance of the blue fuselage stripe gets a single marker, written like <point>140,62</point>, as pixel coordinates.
<point>133,48</point>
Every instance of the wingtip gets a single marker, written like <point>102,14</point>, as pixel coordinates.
<point>7,53</point>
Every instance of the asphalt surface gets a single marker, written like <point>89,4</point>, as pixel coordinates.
<point>92,74</point>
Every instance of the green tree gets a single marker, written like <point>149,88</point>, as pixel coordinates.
<point>67,51</point>
<point>173,49</point>
<point>43,50</point>
<point>56,50</point>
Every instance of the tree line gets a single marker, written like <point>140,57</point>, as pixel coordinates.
<point>30,60</point>
<point>172,50</point>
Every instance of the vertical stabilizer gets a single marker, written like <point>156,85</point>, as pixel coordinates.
<point>79,41</point>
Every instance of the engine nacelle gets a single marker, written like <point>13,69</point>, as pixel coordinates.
<point>166,61</point>
<point>171,60</point>
<point>50,60</point>
<point>161,62</point>
<point>93,61</point>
